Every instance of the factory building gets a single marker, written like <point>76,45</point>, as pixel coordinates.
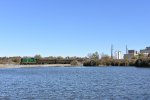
<point>145,51</point>
<point>130,54</point>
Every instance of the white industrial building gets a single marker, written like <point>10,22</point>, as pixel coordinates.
<point>118,55</point>
<point>145,51</point>
<point>130,54</point>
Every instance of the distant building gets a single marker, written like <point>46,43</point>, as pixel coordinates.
<point>130,54</point>
<point>145,51</point>
<point>118,55</point>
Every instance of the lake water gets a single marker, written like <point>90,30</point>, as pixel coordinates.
<point>75,83</point>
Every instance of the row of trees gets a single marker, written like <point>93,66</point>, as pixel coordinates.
<point>139,61</point>
<point>59,57</point>
<point>10,60</point>
<point>92,59</point>
<point>144,62</point>
<point>17,60</point>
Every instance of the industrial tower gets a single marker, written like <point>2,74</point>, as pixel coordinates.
<point>126,49</point>
<point>112,48</point>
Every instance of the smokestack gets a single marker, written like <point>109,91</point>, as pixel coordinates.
<point>126,49</point>
<point>112,51</point>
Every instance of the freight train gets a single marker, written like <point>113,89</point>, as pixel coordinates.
<point>26,61</point>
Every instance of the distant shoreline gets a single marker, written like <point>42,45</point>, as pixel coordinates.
<point>28,66</point>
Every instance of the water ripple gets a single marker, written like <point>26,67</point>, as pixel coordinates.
<point>103,83</point>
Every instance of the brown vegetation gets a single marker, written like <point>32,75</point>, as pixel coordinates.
<point>10,60</point>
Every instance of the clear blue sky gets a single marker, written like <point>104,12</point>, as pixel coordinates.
<point>72,27</point>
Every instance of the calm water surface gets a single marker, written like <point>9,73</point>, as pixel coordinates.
<point>80,83</point>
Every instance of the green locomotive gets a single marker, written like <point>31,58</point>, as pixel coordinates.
<point>28,60</point>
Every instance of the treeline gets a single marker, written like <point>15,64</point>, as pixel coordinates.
<point>109,62</point>
<point>60,58</point>
<point>75,61</point>
<point>143,62</point>
<point>38,59</point>
<point>140,61</point>
<point>10,60</point>
<point>93,59</point>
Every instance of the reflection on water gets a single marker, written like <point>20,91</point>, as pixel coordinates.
<point>57,83</point>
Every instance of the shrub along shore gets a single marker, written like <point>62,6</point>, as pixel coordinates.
<point>142,62</point>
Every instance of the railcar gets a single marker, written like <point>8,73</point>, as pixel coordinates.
<point>26,61</point>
